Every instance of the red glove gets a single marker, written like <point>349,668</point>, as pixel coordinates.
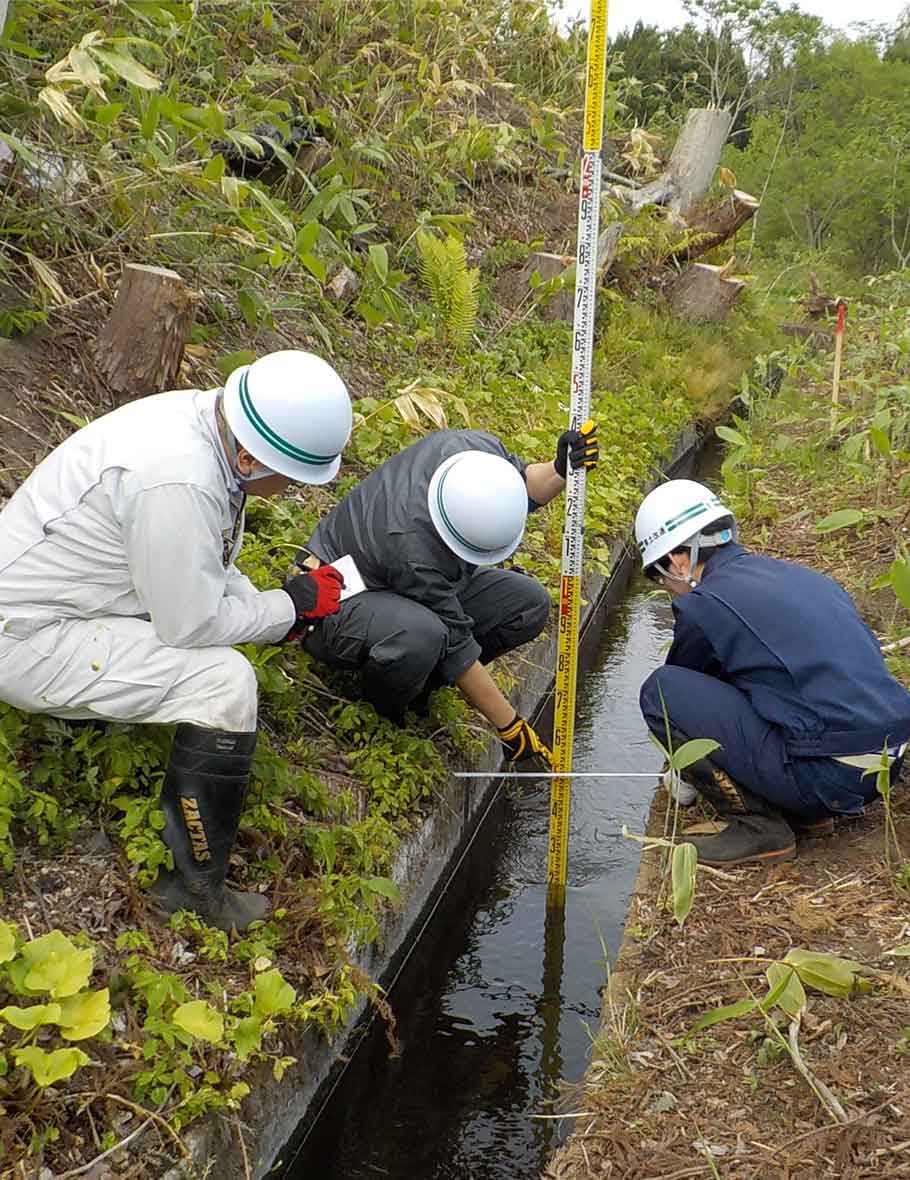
<point>316,593</point>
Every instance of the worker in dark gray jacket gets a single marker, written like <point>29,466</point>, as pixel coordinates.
<point>423,528</point>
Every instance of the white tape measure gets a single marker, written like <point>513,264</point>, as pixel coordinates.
<point>579,412</point>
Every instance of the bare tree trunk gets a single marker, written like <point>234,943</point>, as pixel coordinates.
<point>704,293</point>
<point>691,167</point>
<point>717,223</point>
<point>139,349</point>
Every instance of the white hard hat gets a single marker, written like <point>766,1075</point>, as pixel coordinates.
<point>672,514</point>
<point>292,412</point>
<point>479,504</point>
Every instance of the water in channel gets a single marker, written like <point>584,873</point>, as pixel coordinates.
<point>496,1004</point>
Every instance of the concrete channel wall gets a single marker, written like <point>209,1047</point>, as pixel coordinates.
<point>275,1113</point>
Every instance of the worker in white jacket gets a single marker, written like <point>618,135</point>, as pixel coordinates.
<point>120,600</point>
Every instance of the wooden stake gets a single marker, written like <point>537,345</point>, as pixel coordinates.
<point>838,353</point>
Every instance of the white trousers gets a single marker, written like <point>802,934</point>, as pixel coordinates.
<point>117,669</point>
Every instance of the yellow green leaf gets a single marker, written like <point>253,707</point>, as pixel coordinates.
<point>85,1015</point>
<point>272,994</point>
<point>56,965</point>
<point>25,1019</point>
<point>826,973</point>
<point>685,859</point>
<point>200,1020</point>
<point>47,1068</point>
<point>792,998</point>
<point>7,942</point>
<point>125,66</point>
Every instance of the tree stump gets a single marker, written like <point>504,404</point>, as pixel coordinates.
<point>716,223</point>
<point>139,349</point>
<point>691,167</point>
<point>704,293</point>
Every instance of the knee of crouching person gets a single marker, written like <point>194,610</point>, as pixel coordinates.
<point>237,702</point>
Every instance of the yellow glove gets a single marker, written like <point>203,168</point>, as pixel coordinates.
<point>521,742</point>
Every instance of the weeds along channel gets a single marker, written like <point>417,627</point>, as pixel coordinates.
<point>434,150</point>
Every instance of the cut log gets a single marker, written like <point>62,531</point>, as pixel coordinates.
<point>704,293</point>
<point>817,303</point>
<point>140,347</point>
<point>691,167</point>
<point>716,223</point>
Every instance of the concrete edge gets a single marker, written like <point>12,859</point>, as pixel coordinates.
<point>273,1111</point>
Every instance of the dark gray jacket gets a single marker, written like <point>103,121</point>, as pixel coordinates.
<point>384,524</point>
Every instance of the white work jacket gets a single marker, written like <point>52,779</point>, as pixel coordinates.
<point>138,514</point>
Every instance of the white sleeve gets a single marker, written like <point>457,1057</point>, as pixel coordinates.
<point>237,584</point>
<point>172,536</point>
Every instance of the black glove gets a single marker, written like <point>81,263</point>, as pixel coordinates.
<point>521,742</point>
<point>316,593</point>
<point>578,447</point>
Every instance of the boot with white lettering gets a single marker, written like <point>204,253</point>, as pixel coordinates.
<point>202,798</point>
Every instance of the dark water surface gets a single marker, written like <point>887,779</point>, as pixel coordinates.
<point>496,1004</point>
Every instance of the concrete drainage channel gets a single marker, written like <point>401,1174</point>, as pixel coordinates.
<point>292,1128</point>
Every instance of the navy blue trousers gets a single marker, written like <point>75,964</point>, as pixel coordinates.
<point>751,750</point>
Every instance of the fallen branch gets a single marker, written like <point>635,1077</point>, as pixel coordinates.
<point>821,1091</point>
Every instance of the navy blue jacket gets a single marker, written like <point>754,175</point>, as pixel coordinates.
<point>793,642</point>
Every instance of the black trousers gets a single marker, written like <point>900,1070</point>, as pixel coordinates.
<point>399,645</point>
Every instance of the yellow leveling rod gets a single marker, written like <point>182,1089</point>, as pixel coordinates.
<point>579,412</point>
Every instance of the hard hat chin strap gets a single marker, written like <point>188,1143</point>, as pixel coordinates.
<point>695,545</point>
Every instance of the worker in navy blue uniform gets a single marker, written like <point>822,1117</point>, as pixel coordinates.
<point>772,661</point>
<point>424,529</point>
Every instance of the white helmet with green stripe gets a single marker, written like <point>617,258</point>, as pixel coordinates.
<point>292,412</point>
<point>674,515</point>
<point>479,504</point>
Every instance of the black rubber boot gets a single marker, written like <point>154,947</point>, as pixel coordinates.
<point>755,832</point>
<point>202,798</point>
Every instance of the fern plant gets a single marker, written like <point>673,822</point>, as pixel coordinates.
<point>452,285</point>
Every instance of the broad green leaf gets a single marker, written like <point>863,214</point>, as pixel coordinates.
<point>85,1015</point>
<point>107,114</point>
<point>842,519</point>
<point>901,951</point>
<point>200,1020</point>
<point>125,66</point>
<point>792,998</point>
<point>314,265</point>
<point>25,1019</point>
<point>826,973</point>
<point>56,965</point>
<point>307,237</point>
<point>7,942</point>
<point>379,259</point>
<point>247,1036</point>
<point>728,434</point>
<point>880,440</point>
<point>899,576</point>
<point>728,1012</point>
<point>685,858</point>
<point>272,994</point>
<point>47,1068</point>
<point>214,169</point>
<point>233,360</point>
<point>385,887</point>
<point>693,751</point>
